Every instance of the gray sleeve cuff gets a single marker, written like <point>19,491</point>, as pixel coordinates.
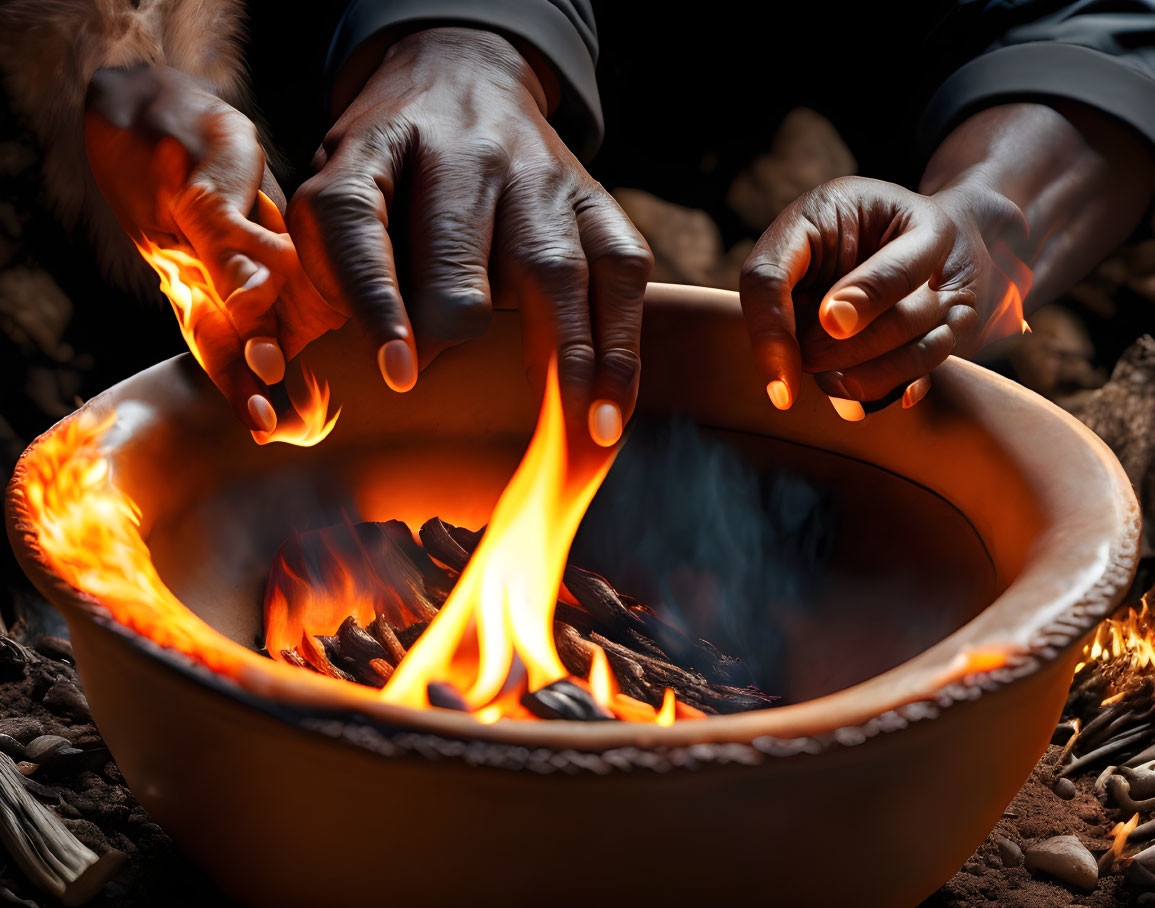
<point>1041,70</point>
<point>564,39</point>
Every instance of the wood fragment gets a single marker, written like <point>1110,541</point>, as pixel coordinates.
<point>43,847</point>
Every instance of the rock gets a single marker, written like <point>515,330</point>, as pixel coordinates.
<point>65,699</point>
<point>806,152</point>
<point>44,748</point>
<point>1066,859</point>
<point>1065,789</point>
<point>1010,852</point>
<point>686,243</point>
<point>22,728</point>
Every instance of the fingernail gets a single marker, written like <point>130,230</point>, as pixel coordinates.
<point>264,357</point>
<point>839,318</point>
<point>262,413</point>
<point>779,393</point>
<point>398,365</point>
<point>605,422</point>
<point>915,392</point>
<point>833,383</point>
<point>259,277</point>
<point>850,410</point>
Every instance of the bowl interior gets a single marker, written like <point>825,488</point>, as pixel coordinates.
<point>902,568</point>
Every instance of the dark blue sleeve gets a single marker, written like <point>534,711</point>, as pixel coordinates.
<point>1098,52</point>
<point>563,31</point>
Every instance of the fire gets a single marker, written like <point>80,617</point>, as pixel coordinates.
<point>88,530</point>
<point>1126,640</point>
<point>1007,318</point>
<point>204,319</point>
<point>493,638</point>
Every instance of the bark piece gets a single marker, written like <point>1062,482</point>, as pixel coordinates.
<point>42,846</point>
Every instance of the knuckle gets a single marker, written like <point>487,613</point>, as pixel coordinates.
<point>763,276</point>
<point>554,265</point>
<point>629,259</point>
<point>619,366</point>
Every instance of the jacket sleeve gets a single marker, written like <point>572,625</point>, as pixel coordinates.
<point>563,31</point>
<point>1098,52</point>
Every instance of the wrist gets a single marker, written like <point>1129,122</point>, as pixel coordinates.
<point>473,50</point>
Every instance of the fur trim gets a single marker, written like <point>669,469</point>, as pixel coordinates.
<point>49,50</point>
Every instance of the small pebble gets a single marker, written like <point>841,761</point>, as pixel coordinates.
<point>1009,851</point>
<point>11,747</point>
<point>1066,859</point>
<point>44,748</point>
<point>1065,789</point>
<point>65,699</point>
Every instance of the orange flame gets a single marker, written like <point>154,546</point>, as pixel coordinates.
<point>88,530</point>
<point>1007,318</point>
<point>1126,640</point>
<point>200,310</point>
<point>501,610</point>
<point>1121,832</point>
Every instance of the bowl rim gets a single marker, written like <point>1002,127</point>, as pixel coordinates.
<point>846,717</point>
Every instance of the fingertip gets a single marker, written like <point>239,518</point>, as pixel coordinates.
<point>915,392</point>
<point>264,356</point>
<point>262,413</point>
<point>840,314</point>
<point>780,394</point>
<point>605,422</point>
<point>850,410</point>
<point>398,365</point>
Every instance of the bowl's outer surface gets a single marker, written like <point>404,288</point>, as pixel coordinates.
<point>872,795</point>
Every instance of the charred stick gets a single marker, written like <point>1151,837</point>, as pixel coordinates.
<point>385,636</point>
<point>1113,746</point>
<point>564,700</point>
<point>438,542</point>
<point>43,847</point>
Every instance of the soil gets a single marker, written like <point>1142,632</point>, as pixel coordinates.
<point>1037,813</point>
<point>89,795</point>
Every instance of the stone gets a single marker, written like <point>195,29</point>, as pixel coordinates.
<point>1009,851</point>
<point>807,151</point>
<point>1065,789</point>
<point>1066,859</point>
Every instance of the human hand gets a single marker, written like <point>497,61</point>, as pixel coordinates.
<point>455,118</point>
<point>183,170</point>
<point>870,286</point>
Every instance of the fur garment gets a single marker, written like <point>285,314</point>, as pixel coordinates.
<point>49,50</point>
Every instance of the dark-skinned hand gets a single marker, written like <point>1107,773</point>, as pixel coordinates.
<point>183,170</point>
<point>498,209</point>
<point>870,286</point>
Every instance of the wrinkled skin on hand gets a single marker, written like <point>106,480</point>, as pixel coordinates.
<point>870,286</point>
<point>499,209</point>
<point>181,168</point>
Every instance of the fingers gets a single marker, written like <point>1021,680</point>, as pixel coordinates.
<point>540,255</point>
<point>875,379</point>
<point>338,220</point>
<point>778,262</point>
<point>454,204</point>
<point>893,272</point>
<point>620,263</point>
<point>908,319</point>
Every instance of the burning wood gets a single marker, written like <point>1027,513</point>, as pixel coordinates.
<point>396,588</point>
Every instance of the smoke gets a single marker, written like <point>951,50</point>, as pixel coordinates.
<point>686,525</point>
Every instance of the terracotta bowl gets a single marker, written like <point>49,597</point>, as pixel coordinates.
<point>984,529</point>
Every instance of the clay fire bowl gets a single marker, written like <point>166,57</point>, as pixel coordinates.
<point>985,532</point>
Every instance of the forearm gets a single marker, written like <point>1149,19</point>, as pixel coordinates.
<point>1061,186</point>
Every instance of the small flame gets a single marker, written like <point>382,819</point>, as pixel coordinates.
<point>197,306</point>
<point>1121,833</point>
<point>1007,318</point>
<point>1127,640</point>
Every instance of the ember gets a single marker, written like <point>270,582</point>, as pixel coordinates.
<point>381,590</point>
